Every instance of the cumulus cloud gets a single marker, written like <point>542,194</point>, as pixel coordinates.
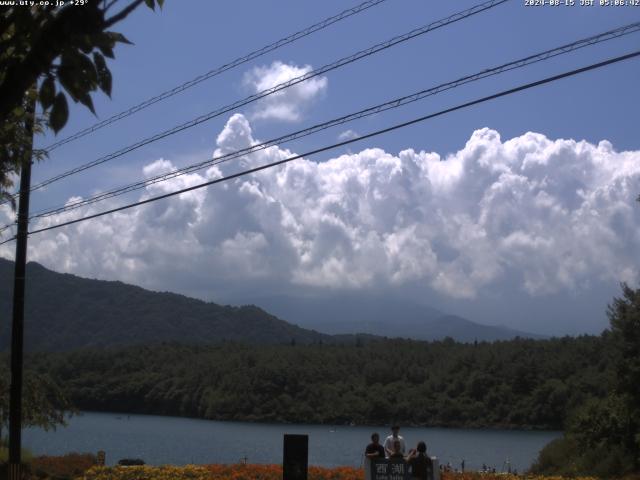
<point>555,215</point>
<point>288,104</point>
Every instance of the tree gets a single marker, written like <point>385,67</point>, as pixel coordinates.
<point>61,51</point>
<point>44,404</point>
<point>624,316</point>
<point>603,435</point>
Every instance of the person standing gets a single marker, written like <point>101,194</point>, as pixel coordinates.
<point>397,451</point>
<point>420,463</point>
<point>391,439</point>
<point>374,449</point>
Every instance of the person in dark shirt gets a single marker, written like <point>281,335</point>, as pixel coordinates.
<point>420,463</point>
<point>374,449</point>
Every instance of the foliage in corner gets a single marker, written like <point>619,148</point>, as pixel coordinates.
<point>603,435</point>
<point>44,403</point>
<point>61,52</point>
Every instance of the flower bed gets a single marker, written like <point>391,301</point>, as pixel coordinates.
<point>264,472</point>
<point>216,472</point>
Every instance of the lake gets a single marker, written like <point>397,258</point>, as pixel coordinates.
<point>174,440</point>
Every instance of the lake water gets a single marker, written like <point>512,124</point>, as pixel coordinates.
<point>173,440</point>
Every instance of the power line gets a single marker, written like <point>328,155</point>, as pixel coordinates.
<point>252,98</point>
<point>392,104</point>
<point>347,142</point>
<point>217,71</point>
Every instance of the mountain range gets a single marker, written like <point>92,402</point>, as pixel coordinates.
<point>382,315</point>
<point>65,312</point>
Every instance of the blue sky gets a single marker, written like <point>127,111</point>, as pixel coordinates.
<point>179,43</point>
<point>187,39</point>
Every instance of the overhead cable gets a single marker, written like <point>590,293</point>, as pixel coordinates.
<point>217,71</point>
<point>391,104</point>
<point>264,93</point>
<point>494,96</point>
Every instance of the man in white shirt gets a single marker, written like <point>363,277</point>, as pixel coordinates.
<point>389,441</point>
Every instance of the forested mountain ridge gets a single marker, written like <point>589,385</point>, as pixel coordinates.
<point>64,312</point>
<point>510,384</point>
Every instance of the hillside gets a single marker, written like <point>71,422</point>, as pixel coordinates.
<point>66,312</point>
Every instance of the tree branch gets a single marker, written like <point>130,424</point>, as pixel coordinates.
<point>124,13</point>
<point>110,4</point>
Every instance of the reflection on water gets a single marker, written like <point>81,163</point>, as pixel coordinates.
<point>180,441</point>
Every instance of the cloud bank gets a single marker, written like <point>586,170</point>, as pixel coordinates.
<point>289,104</point>
<point>550,215</point>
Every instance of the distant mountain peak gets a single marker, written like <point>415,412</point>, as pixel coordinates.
<point>384,316</point>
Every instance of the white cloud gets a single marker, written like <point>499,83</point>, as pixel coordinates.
<point>348,135</point>
<point>555,215</point>
<point>290,103</point>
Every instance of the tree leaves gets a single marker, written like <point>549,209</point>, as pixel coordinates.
<point>152,3</point>
<point>47,92</point>
<point>79,76</point>
<point>105,43</point>
<point>104,75</point>
<point>44,404</point>
<point>118,37</point>
<point>86,100</point>
<point>63,49</point>
<point>78,38</point>
<point>59,113</point>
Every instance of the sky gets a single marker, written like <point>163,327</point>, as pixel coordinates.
<point>520,211</point>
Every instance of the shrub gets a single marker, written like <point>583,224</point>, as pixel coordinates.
<point>64,467</point>
<point>4,454</point>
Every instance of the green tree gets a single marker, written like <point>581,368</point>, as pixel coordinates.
<point>44,404</point>
<point>603,435</point>
<point>60,49</point>
<point>624,316</point>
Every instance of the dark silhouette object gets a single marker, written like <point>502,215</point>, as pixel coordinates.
<point>420,463</point>
<point>295,459</point>
<point>130,462</point>
<point>374,449</point>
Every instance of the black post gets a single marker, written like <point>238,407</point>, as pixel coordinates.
<point>295,457</point>
<point>17,326</point>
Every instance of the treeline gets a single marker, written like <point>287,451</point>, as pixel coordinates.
<point>513,384</point>
<point>602,436</point>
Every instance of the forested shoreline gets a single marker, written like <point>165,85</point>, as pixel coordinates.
<point>529,384</point>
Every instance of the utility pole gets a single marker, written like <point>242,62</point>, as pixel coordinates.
<point>17,326</point>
